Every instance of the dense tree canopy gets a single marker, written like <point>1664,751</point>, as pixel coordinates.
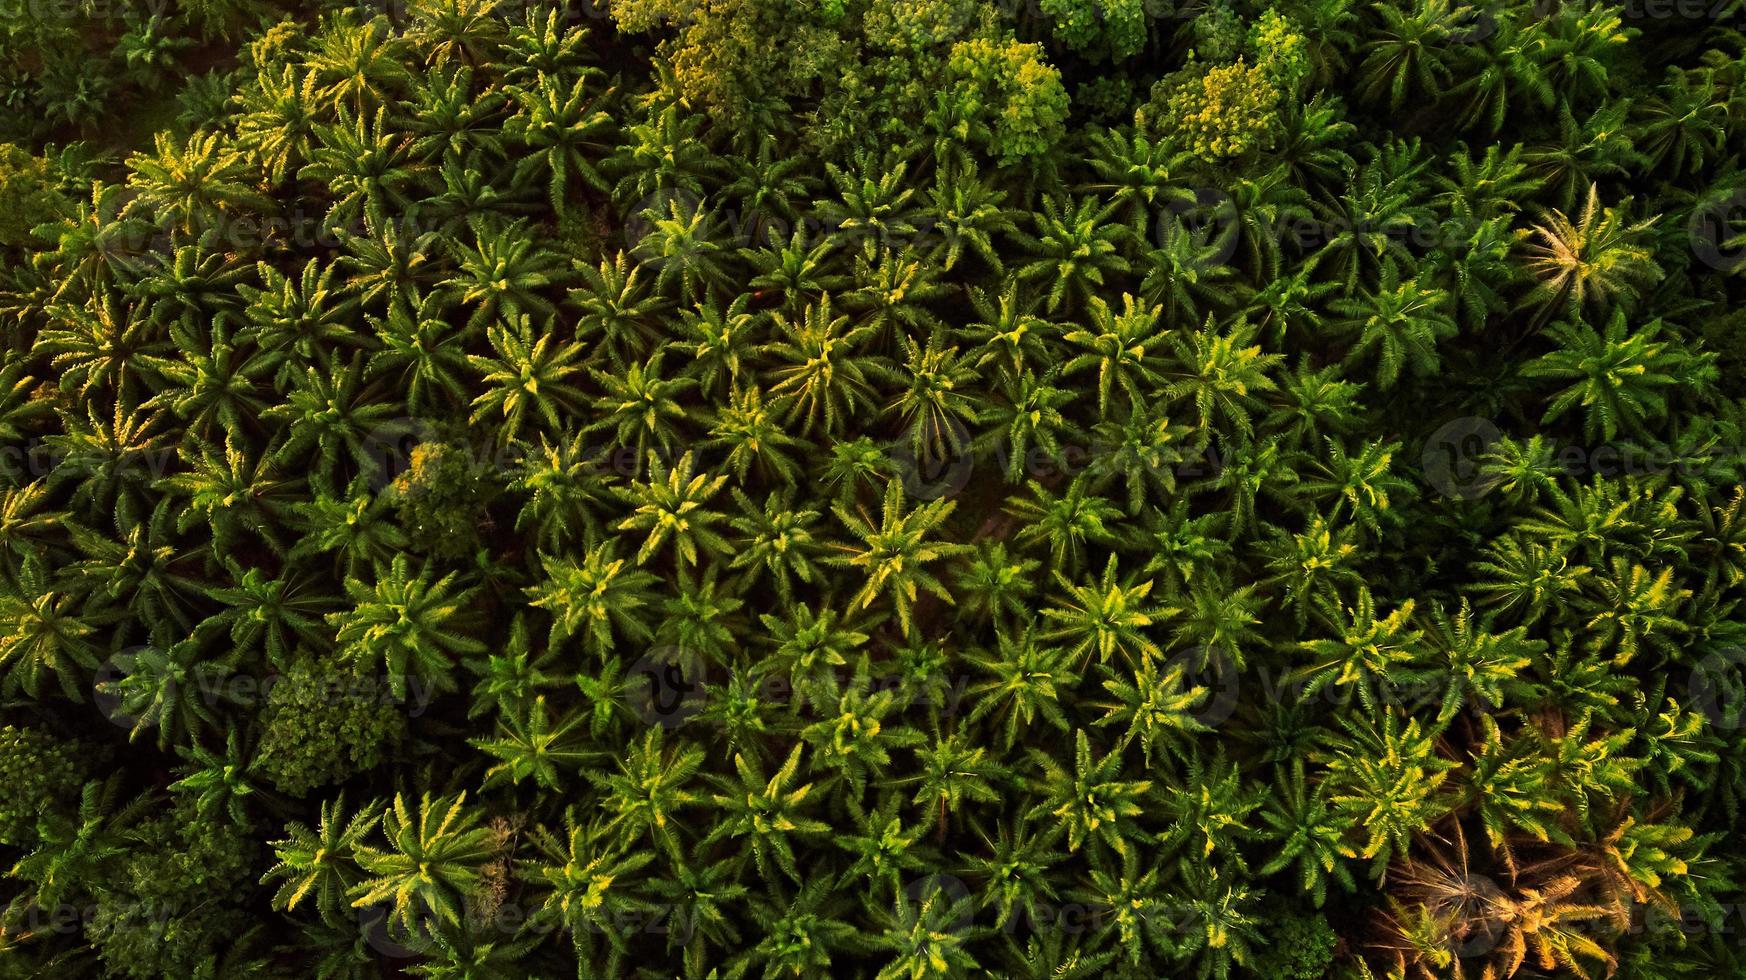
<point>872,488</point>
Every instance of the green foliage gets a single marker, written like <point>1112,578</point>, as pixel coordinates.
<point>757,489</point>
<point>152,918</point>
<point>441,499</point>
<point>322,723</point>
<point>1299,947</point>
<point>28,195</point>
<point>431,864</point>
<point>45,774</point>
<point>1111,31</point>
<point>1002,97</point>
<point>1218,112</point>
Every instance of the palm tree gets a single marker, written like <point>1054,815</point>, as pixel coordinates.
<point>893,291</point>
<point>1590,265</point>
<point>596,598</point>
<point>872,211</point>
<point>391,262</point>
<point>808,650</point>
<point>277,120</point>
<point>618,313</point>
<point>1066,523</point>
<point>193,187</point>
<point>551,44</point>
<point>213,387</point>
<point>768,186</point>
<point>102,346</point>
<point>409,625</point>
<point>1361,484</point>
<point>1527,575</point>
<point>1683,123</point>
<point>79,847</point>
<point>1576,49</point>
<point>798,270</point>
<point>1587,149</point>
<point>923,940</point>
<point>530,377</point>
<point>720,342</point>
<point>1107,616</point>
<point>641,407</point>
<point>1074,250</point>
<point>648,790</point>
<point>1312,566</point>
<point>1027,427</point>
<point>1366,652</point>
<point>174,689</point>
<point>1139,176</point>
<point>1117,345</point>
<point>805,932</point>
<point>1157,710</point>
<point>231,494</point>
<point>682,244</point>
<point>421,352</point>
<point>467,31</point>
<point>1618,377</point>
<point>565,492</point>
<point>1027,679</point>
<point>768,812</point>
<point>1223,373</point>
<point>1407,57</point>
<point>1401,322</point>
<point>358,65</point>
<point>320,863</point>
<point>1502,73</point>
<point>333,417</point>
<point>369,169</point>
<point>951,773</point>
<point>589,889</point>
<point>1386,780</point>
<point>297,322</point>
<point>1189,267</point>
<point>431,865</point>
<point>531,745</point>
<point>855,739</point>
<point>1308,833</point>
<point>276,615</point>
<point>662,157</point>
<point>144,563</point>
<point>505,274</point>
<point>893,552</point>
<point>1369,225</point>
<point>776,540</point>
<point>748,429</point>
<point>458,118</point>
<point>932,404</point>
<point>967,213</point>
<point>673,504</point>
<point>354,522</point>
<point>823,377</point>
<point>1091,802</point>
<point>45,635</point>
